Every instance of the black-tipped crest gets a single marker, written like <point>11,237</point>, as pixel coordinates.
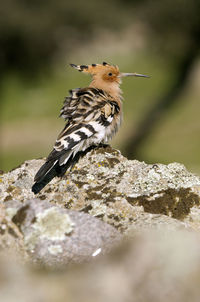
<point>88,68</point>
<point>83,67</point>
<point>73,65</point>
<point>79,67</point>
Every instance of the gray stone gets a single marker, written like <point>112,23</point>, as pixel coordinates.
<point>11,239</point>
<point>124,193</point>
<point>153,210</point>
<point>152,266</point>
<point>54,236</point>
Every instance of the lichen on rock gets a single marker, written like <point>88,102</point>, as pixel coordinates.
<point>104,192</point>
<point>53,225</point>
<point>117,190</point>
<point>49,224</point>
<point>54,236</point>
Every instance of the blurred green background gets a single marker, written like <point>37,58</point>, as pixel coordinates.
<point>38,40</point>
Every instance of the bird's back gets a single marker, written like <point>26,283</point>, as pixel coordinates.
<point>92,117</point>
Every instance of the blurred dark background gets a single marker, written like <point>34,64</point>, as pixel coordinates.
<point>38,40</point>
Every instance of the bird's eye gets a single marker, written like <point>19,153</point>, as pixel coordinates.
<point>110,74</point>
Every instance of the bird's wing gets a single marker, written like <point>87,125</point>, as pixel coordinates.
<point>88,112</point>
<point>82,102</point>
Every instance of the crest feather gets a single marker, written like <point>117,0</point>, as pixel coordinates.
<point>94,68</point>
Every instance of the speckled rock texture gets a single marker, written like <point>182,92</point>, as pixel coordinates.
<point>86,212</point>
<point>132,230</point>
<point>11,239</point>
<point>124,193</point>
<point>54,236</point>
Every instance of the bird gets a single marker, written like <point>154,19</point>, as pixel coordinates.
<point>93,115</point>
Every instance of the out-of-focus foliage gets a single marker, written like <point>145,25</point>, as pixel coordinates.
<point>174,25</point>
<point>36,32</point>
<point>160,38</point>
<point>174,32</point>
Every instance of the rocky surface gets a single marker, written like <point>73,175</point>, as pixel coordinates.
<point>54,236</point>
<point>11,239</point>
<point>132,230</point>
<point>123,193</point>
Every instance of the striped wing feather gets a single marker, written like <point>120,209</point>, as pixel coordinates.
<point>88,113</point>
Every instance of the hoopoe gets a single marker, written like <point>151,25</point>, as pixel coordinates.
<point>93,115</point>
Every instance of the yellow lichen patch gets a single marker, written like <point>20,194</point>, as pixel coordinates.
<point>50,224</point>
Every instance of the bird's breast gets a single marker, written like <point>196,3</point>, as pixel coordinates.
<point>111,130</point>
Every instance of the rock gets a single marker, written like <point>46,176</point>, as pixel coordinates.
<point>11,239</point>
<point>153,266</point>
<point>54,236</point>
<point>150,267</point>
<point>153,210</point>
<point>124,193</point>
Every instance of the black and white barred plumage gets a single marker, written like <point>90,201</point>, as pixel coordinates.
<point>89,113</point>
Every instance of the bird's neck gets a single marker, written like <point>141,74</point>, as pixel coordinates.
<point>112,89</point>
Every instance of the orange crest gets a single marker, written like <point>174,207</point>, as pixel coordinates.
<point>105,71</point>
<point>97,68</point>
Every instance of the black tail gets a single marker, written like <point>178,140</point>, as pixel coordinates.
<point>52,168</point>
<point>51,172</point>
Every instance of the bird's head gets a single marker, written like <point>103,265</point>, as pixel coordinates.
<point>105,76</point>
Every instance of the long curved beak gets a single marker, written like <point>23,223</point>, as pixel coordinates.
<point>134,75</point>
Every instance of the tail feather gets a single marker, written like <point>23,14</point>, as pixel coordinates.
<point>44,169</point>
<point>41,180</point>
<point>52,168</point>
<point>49,170</point>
